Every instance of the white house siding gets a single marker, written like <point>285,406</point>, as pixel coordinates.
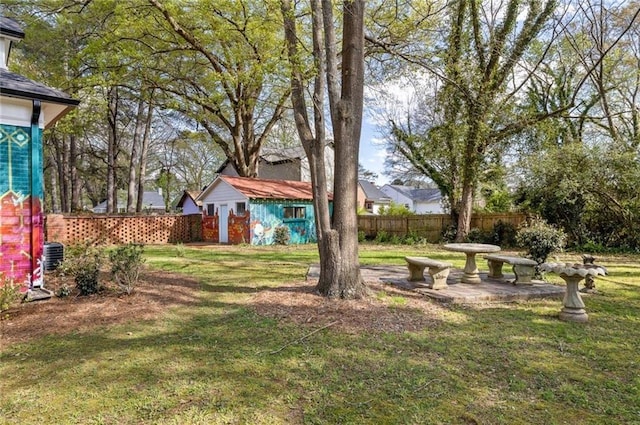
<point>417,207</point>
<point>223,194</point>
<point>428,208</point>
<point>376,207</point>
<point>397,197</point>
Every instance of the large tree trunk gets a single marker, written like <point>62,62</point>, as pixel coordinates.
<point>345,280</point>
<point>74,177</point>
<point>53,191</point>
<point>144,151</point>
<point>134,159</point>
<point>464,216</point>
<point>112,195</point>
<point>474,150</point>
<point>60,159</point>
<point>338,244</point>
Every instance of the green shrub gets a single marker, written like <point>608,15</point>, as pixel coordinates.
<point>126,262</point>
<point>394,209</point>
<point>540,239</point>
<point>83,262</point>
<point>281,235</point>
<point>87,281</point>
<point>413,238</point>
<point>449,233</point>
<point>361,236</point>
<point>503,234</point>
<point>9,293</point>
<point>476,235</point>
<point>382,237</point>
<point>63,291</point>
<point>180,250</point>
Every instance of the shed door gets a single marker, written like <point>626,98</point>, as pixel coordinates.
<point>223,226</point>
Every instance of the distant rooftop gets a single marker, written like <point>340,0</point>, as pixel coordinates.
<point>270,189</point>
<point>371,191</point>
<point>420,195</point>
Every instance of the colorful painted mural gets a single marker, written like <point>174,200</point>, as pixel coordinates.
<point>238,228</point>
<point>257,226</point>
<point>210,230</point>
<point>21,216</point>
<point>267,215</point>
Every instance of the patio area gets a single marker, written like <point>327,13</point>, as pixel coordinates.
<point>488,290</point>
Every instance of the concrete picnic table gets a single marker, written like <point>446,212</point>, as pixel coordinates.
<point>471,272</point>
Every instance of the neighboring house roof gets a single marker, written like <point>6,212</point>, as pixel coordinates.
<point>372,192</point>
<point>277,155</point>
<point>189,194</point>
<point>152,200</point>
<point>265,188</point>
<point>273,156</point>
<point>418,195</point>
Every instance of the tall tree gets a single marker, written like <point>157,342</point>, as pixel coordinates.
<point>222,60</point>
<point>576,168</point>
<point>337,236</point>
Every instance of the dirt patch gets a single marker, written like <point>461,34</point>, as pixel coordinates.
<point>155,292</point>
<point>388,309</point>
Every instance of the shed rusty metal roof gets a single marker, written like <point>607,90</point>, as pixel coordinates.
<point>270,189</point>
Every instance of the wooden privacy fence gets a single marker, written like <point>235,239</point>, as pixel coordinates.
<point>429,226</point>
<point>115,230</point>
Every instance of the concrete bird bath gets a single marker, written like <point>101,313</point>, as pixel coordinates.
<point>573,309</point>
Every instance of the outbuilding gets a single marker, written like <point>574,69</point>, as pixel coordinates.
<point>249,210</point>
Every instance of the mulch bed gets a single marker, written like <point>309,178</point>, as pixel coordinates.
<point>388,309</point>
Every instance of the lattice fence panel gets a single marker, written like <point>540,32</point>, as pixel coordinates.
<point>115,230</point>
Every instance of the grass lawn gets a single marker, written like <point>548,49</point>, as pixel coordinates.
<point>218,361</point>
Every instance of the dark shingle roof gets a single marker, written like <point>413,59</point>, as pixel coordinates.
<point>371,191</point>
<point>10,28</point>
<point>15,85</point>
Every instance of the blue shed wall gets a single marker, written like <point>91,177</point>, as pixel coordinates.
<point>267,215</point>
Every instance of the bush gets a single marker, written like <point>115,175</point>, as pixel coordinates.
<point>9,293</point>
<point>449,233</point>
<point>503,234</point>
<point>87,281</point>
<point>361,236</point>
<point>476,235</point>
<point>126,262</point>
<point>63,291</point>
<point>540,239</point>
<point>394,209</point>
<point>382,237</point>
<point>281,235</point>
<point>180,250</point>
<point>83,262</point>
<point>413,238</point>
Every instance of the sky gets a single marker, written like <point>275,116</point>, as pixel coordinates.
<point>372,151</point>
<point>390,99</point>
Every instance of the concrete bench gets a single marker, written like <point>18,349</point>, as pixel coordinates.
<point>523,268</point>
<point>438,270</point>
